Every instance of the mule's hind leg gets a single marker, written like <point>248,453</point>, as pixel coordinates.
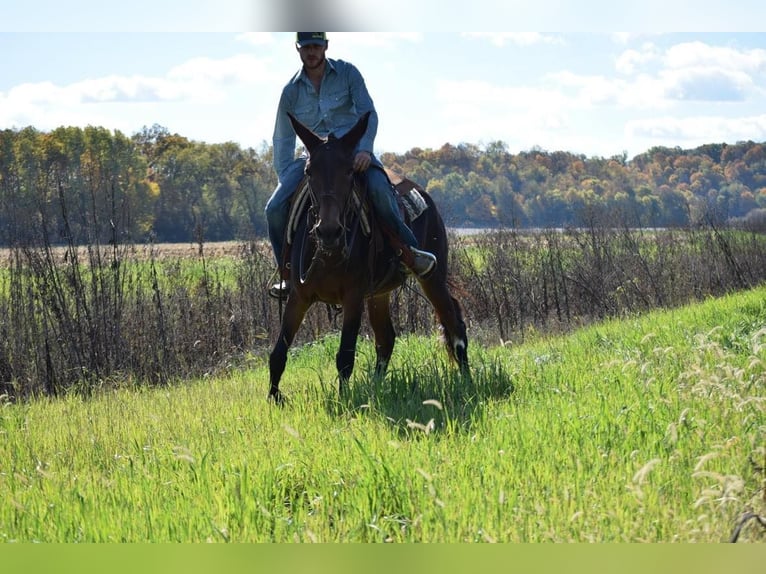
<point>295,310</point>
<point>379,312</point>
<point>450,316</point>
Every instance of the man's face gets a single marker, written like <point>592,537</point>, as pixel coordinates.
<point>312,55</point>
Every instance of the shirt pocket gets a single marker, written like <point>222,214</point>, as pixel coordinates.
<point>306,112</point>
<point>338,99</point>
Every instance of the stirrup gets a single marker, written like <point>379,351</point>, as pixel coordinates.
<point>423,262</point>
<point>280,290</point>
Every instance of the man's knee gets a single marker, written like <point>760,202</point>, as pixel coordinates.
<point>276,213</point>
<point>380,190</point>
<point>377,178</point>
<point>278,204</point>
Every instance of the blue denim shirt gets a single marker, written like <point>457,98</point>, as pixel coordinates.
<point>341,101</point>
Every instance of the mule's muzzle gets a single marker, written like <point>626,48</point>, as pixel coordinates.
<point>329,236</point>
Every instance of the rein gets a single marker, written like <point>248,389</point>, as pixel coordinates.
<point>319,258</point>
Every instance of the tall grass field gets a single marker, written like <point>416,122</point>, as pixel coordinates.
<point>646,429</point>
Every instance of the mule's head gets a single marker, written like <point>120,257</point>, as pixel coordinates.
<point>331,177</point>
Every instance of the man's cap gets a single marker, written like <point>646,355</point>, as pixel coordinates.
<point>306,38</point>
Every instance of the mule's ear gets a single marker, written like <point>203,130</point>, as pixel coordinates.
<point>352,137</point>
<point>309,138</point>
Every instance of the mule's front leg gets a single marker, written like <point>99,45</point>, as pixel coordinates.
<point>344,359</point>
<point>378,311</point>
<point>277,362</point>
<point>295,310</point>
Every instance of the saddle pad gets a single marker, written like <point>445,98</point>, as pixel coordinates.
<point>409,193</point>
<point>297,206</point>
<point>413,203</point>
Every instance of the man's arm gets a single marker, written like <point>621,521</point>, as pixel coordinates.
<point>363,103</point>
<point>283,140</point>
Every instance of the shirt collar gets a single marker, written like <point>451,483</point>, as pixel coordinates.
<point>301,75</point>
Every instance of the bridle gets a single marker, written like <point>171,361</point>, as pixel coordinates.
<point>326,257</point>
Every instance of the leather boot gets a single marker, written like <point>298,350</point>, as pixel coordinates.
<point>418,262</point>
<point>423,262</point>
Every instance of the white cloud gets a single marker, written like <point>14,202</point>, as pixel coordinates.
<point>479,111</point>
<point>116,101</point>
<point>37,93</point>
<point>699,130</point>
<point>256,38</point>
<point>710,84</point>
<point>196,79</point>
<point>116,89</point>
<point>372,39</point>
<point>693,71</point>
<point>623,37</point>
<point>630,60</point>
<point>127,89</point>
<point>47,107</point>
<point>696,54</point>
<point>479,94</point>
<point>554,110</point>
<point>595,91</point>
<point>690,72</point>
<point>586,91</point>
<point>245,68</point>
<point>500,39</point>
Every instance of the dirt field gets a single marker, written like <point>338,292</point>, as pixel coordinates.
<point>161,250</point>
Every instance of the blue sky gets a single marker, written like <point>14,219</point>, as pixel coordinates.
<point>210,74</point>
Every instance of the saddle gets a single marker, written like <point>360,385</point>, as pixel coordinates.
<point>409,198</point>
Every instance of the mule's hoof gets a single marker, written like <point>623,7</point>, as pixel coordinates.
<point>277,397</point>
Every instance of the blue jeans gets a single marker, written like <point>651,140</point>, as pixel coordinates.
<point>379,189</point>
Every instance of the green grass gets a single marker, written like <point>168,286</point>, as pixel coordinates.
<point>647,429</point>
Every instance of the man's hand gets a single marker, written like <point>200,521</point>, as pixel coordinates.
<point>362,160</point>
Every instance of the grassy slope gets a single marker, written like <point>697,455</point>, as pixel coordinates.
<point>640,430</point>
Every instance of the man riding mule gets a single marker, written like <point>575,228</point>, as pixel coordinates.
<point>329,97</point>
<point>338,256</point>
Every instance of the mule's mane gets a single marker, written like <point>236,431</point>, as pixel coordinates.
<point>329,147</point>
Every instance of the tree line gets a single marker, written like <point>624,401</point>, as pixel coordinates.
<point>91,184</point>
<point>663,187</point>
